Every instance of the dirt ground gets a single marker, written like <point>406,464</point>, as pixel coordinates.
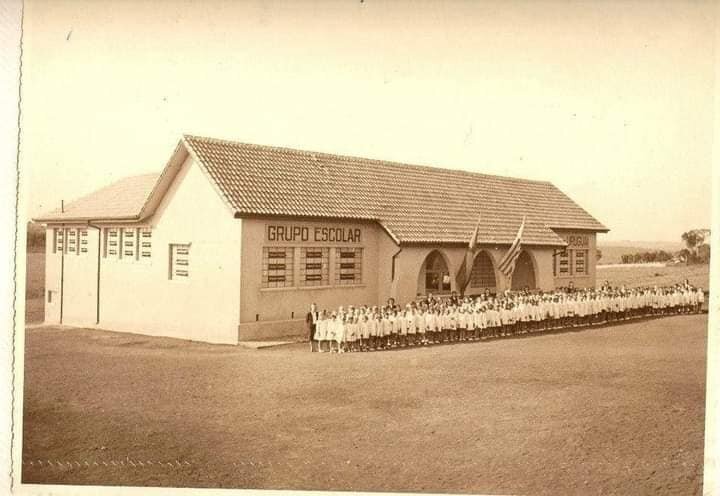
<point>613,410</point>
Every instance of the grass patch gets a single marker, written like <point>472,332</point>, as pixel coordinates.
<point>633,276</point>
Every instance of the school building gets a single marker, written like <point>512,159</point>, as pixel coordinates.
<point>233,241</point>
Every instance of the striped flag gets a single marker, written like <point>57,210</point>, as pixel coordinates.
<point>463,276</point>
<point>507,264</point>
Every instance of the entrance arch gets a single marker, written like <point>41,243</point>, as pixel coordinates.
<point>524,275</point>
<point>482,274</point>
<point>434,274</point>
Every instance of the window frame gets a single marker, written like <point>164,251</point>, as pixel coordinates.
<point>288,269</point>
<point>83,241</point>
<point>358,258</point>
<point>141,249</point>
<point>71,238</point>
<point>120,235</point>
<point>585,256</point>
<point>561,254</point>
<point>59,240</point>
<point>129,233</point>
<point>324,269</point>
<point>108,238</point>
<point>173,262</point>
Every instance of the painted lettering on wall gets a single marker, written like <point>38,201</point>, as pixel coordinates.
<point>300,234</point>
<point>578,240</point>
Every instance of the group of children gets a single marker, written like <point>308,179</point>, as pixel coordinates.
<point>434,320</point>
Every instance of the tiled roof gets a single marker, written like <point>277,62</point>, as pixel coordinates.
<point>121,200</point>
<point>416,204</point>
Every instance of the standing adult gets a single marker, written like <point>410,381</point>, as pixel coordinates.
<point>429,300</point>
<point>311,325</point>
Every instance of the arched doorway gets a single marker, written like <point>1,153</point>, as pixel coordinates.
<point>524,275</point>
<point>482,275</point>
<point>434,275</point>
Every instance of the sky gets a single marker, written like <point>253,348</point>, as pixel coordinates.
<point>610,101</point>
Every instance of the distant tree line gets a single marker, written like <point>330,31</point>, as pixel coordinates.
<point>35,237</point>
<point>647,257</point>
<point>696,251</point>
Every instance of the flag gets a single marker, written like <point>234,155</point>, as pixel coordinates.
<point>507,264</point>
<point>463,276</point>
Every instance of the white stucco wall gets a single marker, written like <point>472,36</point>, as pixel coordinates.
<point>76,270</point>
<point>52,279</point>
<point>138,296</point>
<point>81,275</point>
<point>223,299</point>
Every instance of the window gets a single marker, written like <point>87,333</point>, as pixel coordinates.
<point>112,242</point>
<point>437,275</point>
<point>562,264</point>
<point>314,266</point>
<point>72,241</point>
<point>145,243</point>
<point>277,267</point>
<point>129,243</point>
<point>482,274</point>
<point>179,261</point>
<point>581,262</point>
<point>83,240</point>
<point>58,240</point>
<point>348,266</point>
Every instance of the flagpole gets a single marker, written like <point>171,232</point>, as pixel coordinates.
<point>507,264</point>
<point>466,267</point>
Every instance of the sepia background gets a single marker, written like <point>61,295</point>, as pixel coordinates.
<point>610,101</point>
